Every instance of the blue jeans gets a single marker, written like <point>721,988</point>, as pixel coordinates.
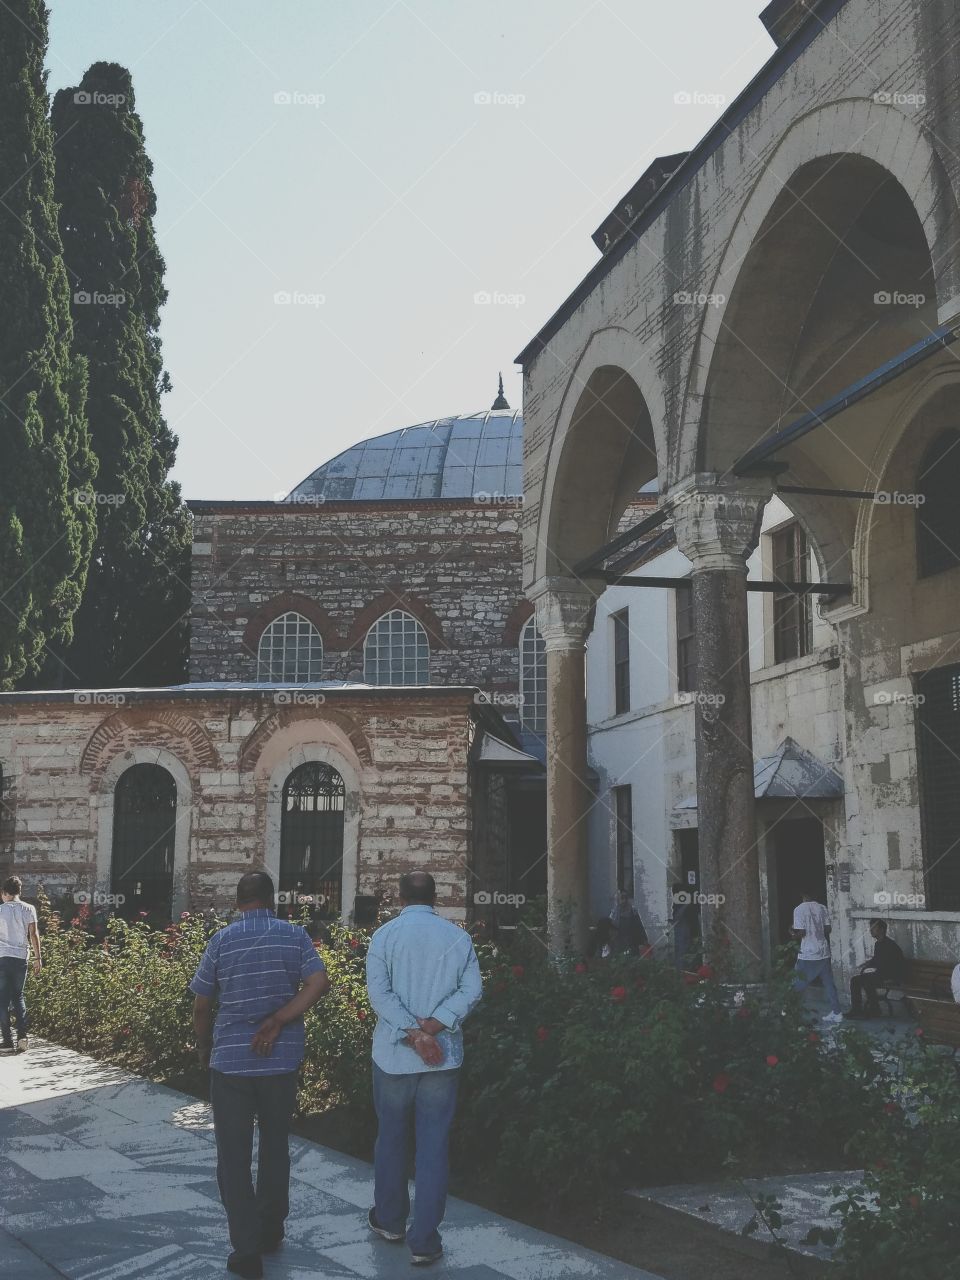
<point>426,1101</point>
<point>13,976</point>
<point>809,970</point>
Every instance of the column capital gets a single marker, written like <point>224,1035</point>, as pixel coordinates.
<point>716,519</point>
<point>564,610</point>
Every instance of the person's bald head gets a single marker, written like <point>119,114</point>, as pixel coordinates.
<point>254,889</point>
<point>417,888</point>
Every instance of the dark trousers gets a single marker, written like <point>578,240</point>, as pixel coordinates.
<point>865,984</point>
<point>238,1101</point>
<point>13,976</point>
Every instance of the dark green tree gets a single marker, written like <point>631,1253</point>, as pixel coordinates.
<point>45,458</point>
<point>131,627</point>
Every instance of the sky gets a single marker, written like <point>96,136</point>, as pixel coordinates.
<point>368,207</point>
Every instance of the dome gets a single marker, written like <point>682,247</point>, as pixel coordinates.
<point>458,457</point>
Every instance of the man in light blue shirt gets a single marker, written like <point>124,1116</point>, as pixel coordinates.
<point>423,979</point>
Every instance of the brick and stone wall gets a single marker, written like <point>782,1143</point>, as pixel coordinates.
<point>453,565</point>
<point>404,757</point>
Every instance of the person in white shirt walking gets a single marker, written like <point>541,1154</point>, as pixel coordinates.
<point>811,924</point>
<point>18,935</point>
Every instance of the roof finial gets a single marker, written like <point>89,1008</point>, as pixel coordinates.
<point>501,400</point>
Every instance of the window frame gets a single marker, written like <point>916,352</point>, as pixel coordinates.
<point>623,836</point>
<point>685,636</point>
<point>305,631</point>
<point>792,616</point>
<point>533,676</point>
<point>395,622</point>
<point>620,624</point>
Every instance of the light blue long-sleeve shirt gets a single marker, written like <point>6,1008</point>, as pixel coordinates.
<point>420,966</point>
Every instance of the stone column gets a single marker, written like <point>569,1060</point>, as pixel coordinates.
<point>717,526</point>
<point>564,614</point>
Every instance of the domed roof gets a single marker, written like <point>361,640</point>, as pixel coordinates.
<point>457,457</point>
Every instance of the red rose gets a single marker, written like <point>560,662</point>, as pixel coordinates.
<point>772,1059</point>
<point>618,994</point>
<point>543,1033</point>
<point>354,942</point>
<point>689,979</point>
<point>890,1108</point>
<point>721,1082</point>
<point>518,970</point>
<point>705,971</point>
<point>813,1038</point>
<point>362,1015</point>
<point>580,968</point>
<point>919,1031</point>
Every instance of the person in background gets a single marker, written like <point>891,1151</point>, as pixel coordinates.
<point>18,936</point>
<point>423,979</point>
<point>265,975</point>
<point>602,940</point>
<point>629,933</point>
<point>811,924</point>
<point>886,967</point>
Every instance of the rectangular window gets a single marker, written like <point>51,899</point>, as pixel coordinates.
<point>623,808</point>
<point>621,661</point>
<point>791,613</point>
<point>686,641</point>
<point>938,741</point>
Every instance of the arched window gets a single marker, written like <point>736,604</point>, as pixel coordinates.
<point>311,840</point>
<point>396,651</point>
<point>144,827</point>
<point>533,678</point>
<point>938,515</point>
<point>291,651</point>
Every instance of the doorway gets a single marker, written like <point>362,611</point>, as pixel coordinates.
<point>798,867</point>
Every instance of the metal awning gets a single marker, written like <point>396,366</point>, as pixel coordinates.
<point>791,773</point>
<point>495,753</point>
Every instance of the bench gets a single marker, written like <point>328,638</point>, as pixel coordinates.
<point>925,990</point>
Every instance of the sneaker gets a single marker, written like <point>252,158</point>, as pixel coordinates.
<point>23,1044</point>
<point>425,1259</point>
<point>248,1265</point>
<point>833,1017</point>
<point>392,1237</point>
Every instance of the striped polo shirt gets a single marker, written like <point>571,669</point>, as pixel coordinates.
<point>253,967</point>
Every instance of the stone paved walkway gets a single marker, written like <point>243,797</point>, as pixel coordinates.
<point>105,1176</point>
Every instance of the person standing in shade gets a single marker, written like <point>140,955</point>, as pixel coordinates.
<point>629,933</point>
<point>423,979</point>
<point>811,924</point>
<point>18,936</point>
<point>264,974</point>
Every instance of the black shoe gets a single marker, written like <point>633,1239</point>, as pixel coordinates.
<point>391,1237</point>
<point>270,1241</point>
<point>248,1265</point>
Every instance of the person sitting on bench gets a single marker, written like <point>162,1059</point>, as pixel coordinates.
<point>955,984</point>
<point>885,968</point>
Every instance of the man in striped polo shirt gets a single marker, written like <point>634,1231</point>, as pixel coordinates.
<point>264,974</point>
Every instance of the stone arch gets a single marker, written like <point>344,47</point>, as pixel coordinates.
<point>290,602</point>
<point>607,441</point>
<point>313,712</point>
<point>399,599</point>
<point>126,729</point>
<point>881,139</point>
<point>516,620</point>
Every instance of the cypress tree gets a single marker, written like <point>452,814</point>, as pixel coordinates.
<point>46,465</point>
<point>132,624</point>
